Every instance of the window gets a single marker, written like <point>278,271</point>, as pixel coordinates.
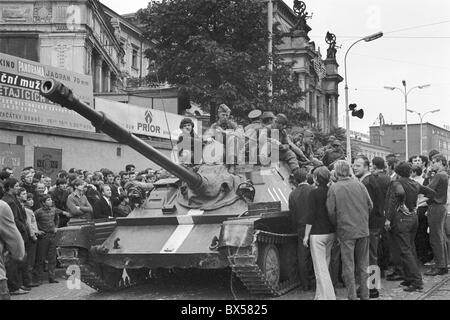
<point>134,60</point>
<point>24,46</point>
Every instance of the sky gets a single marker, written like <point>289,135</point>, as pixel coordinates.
<point>415,48</point>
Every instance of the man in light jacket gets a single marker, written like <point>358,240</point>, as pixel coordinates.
<point>349,204</point>
<point>11,245</point>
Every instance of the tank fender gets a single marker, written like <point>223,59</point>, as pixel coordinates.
<point>76,236</point>
<point>237,233</point>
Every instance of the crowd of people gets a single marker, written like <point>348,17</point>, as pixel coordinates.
<point>369,218</point>
<point>37,206</point>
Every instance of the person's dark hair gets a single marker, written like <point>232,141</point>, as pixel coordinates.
<point>139,178</point>
<point>441,158</point>
<point>9,183</point>
<point>432,153</point>
<point>27,168</point>
<point>121,197</point>
<point>425,160</point>
<point>322,175</point>
<point>365,159</point>
<point>129,166</point>
<point>78,182</point>
<point>410,160</point>
<point>123,173</point>
<point>391,160</point>
<point>21,190</point>
<point>30,196</point>
<point>60,181</point>
<point>300,175</point>
<point>38,175</point>
<point>62,174</point>
<point>417,170</point>
<point>44,198</point>
<point>379,163</point>
<point>4,175</point>
<point>403,169</point>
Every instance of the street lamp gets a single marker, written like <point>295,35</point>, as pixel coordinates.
<point>421,123</point>
<point>405,94</point>
<point>347,110</point>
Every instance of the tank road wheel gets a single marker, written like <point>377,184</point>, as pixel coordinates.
<point>269,262</point>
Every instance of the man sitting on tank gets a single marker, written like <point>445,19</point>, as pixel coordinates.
<point>287,149</point>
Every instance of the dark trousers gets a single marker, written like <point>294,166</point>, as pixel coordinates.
<point>4,292</point>
<point>355,255</point>
<point>394,252</point>
<point>46,250</point>
<point>15,272</point>
<point>374,239</point>
<point>335,267</point>
<point>383,250</point>
<point>422,241</point>
<point>305,265</point>
<point>30,249</point>
<point>438,237</point>
<point>404,232</point>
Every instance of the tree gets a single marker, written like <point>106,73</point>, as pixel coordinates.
<point>216,50</point>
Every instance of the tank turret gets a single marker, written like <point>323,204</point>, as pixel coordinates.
<point>58,93</point>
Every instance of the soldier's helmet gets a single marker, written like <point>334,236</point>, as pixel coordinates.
<point>308,134</point>
<point>223,108</point>
<point>267,115</point>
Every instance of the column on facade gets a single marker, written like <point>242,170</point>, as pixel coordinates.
<point>320,112</point>
<point>312,99</point>
<point>330,101</point>
<point>98,75</point>
<point>334,100</point>
<point>106,79</point>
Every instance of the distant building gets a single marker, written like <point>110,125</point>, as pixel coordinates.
<point>371,150</point>
<point>365,137</point>
<point>393,136</point>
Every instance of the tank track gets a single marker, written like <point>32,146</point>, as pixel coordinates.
<point>245,267</point>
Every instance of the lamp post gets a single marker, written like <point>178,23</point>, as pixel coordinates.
<point>347,110</point>
<point>421,124</point>
<point>405,94</point>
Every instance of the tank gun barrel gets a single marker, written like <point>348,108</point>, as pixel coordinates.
<point>62,95</point>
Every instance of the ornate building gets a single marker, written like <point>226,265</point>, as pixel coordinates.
<point>81,36</point>
<point>317,77</point>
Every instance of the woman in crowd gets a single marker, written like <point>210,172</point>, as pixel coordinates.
<point>321,234</point>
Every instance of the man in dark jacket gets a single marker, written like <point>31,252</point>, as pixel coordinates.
<point>15,268</point>
<point>376,215</point>
<point>401,216</point>
<point>103,207</point>
<point>299,208</point>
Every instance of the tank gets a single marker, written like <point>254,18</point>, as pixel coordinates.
<point>219,216</point>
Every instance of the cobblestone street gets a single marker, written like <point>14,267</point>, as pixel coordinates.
<point>199,287</point>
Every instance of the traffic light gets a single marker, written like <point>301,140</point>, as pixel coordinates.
<point>356,113</point>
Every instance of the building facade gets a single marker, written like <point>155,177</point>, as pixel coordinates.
<point>393,136</point>
<point>81,36</point>
<point>317,77</point>
<point>371,150</point>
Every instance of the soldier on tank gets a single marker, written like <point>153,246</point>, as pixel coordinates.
<point>287,149</point>
<point>334,154</point>
<point>255,118</point>
<point>224,123</point>
<point>267,119</point>
<point>329,146</point>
